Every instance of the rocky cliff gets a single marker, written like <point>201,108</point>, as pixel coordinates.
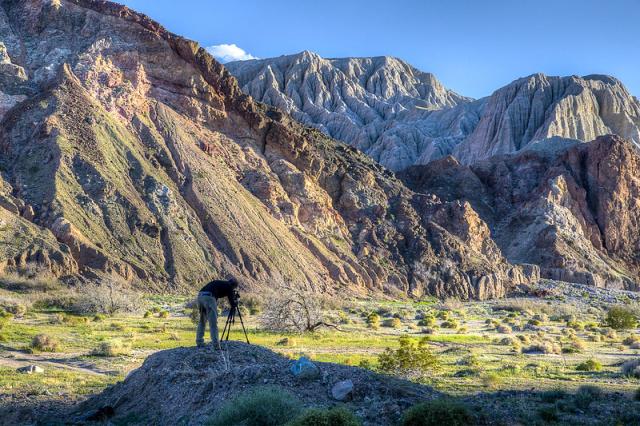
<point>400,116</point>
<point>574,212</point>
<point>382,105</point>
<point>128,151</point>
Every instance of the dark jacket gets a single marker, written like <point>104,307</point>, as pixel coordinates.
<point>222,288</point>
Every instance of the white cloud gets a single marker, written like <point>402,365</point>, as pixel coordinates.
<point>229,52</point>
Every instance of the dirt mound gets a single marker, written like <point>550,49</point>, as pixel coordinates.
<point>188,385</point>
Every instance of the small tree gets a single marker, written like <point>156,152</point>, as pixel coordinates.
<point>108,297</point>
<point>294,309</point>
<point>621,318</point>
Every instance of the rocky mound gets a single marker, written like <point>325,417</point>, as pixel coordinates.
<point>187,386</point>
<point>136,155</point>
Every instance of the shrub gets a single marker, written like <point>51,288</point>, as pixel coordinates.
<point>112,348</point>
<point>543,347</point>
<point>270,406</point>
<point>631,368</point>
<point>491,380</point>
<point>586,395</point>
<point>589,365</point>
<point>108,297</point>
<point>548,413</point>
<point>630,340</point>
<point>99,317</point>
<point>17,309</point>
<point>620,318</point>
<point>505,329</point>
<point>438,412</point>
<point>373,320</point>
<point>427,322</point>
<point>449,324</point>
<point>148,314</point>
<point>392,322</point>
<point>574,346</point>
<point>318,417</point>
<point>44,343</point>
<point>410,359</point>
<point>5,317</point>
<point>164,314</point>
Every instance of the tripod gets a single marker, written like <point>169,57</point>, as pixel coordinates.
<point>231,319</point>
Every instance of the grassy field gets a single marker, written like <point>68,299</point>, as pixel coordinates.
<point>510,344</point>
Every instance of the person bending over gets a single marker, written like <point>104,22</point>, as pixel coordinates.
<point>208,307</point>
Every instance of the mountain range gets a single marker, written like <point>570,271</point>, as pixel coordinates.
<point>402,117</point>
<point>129,153</point>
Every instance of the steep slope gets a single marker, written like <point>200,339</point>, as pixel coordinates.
<point>141,155</point>
<point>539,107</point>
<point>575,212</point>
<point>400,116</point>
<point>380,105</point>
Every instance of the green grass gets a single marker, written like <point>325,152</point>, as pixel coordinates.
<point>358,344</point>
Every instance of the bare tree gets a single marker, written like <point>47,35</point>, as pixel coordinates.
<point>108,297</point>
<point>292,308</point>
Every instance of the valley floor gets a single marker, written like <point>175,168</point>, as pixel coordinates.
<point>503,353</point>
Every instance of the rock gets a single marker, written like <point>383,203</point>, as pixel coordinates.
<point>304,369</point>
<point>31,369</point>
<point>342,391</point>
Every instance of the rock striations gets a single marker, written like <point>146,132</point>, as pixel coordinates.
<point>574,212</point>
<point>381,105</point>
<point>401,116</point>
<point>128,151</point>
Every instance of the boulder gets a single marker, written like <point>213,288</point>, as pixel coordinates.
<point>343,390</point>
<point>304,369</point>
<point>30,369</point>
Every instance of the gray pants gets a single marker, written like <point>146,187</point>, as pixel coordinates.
<point>208,312</point>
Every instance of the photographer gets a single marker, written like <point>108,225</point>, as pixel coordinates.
<point>208,307</point>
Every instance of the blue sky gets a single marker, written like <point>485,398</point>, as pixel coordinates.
<point>473,47</point>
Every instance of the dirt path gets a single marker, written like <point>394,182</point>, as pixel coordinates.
<point>17,359</point>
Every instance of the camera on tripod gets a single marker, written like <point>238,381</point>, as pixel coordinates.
<point>234,310</point>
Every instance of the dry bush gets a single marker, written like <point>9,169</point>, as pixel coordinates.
<point>631,368</point>
<point>44,343</point>
<point>108,297</point>
<point>294,309</point>
<point>112,348</point>
<point>545,347</point>
<point>505,329</point>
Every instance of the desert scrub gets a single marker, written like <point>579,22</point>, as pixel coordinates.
<point>586,395</point>
<point>589,365</point>
<point>621,318</point>
<point>449,324</point>
<point>546,347</point>
<point>373,320</point>
<point>44,343</point>
<point>5,317</point>
<point>439,412</point>
<point>411,359</point>
<point>504,329</point>
<point>269,406</point>
<point>338,416</point>
<point>112,348</point>
<point>392,323</point>
<point>631,368</point>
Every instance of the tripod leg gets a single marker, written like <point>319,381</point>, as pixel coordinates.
<point>242,323</point>
<point>227,328</point>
